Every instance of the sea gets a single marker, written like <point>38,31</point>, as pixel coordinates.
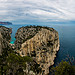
<point>66,37</point>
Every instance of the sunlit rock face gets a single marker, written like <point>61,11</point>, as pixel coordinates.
<point>41,43</point>
<point>5,37</point>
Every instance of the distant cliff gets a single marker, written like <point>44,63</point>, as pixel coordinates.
<point>5,23</point>
<point>5,37</point>
<point>41,43</point>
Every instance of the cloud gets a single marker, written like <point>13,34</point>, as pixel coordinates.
<point>37,10</point>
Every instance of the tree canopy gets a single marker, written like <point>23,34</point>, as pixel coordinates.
<point>63,68</point>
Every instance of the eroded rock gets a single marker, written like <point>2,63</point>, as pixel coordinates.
<point>41,43</point>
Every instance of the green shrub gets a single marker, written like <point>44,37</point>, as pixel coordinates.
<point>63,68</point>
<point>13,62</point>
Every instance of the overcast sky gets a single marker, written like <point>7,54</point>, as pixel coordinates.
<point>37,10</point>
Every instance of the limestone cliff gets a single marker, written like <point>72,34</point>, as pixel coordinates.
<point>5,37</point>
<point>41,43</point>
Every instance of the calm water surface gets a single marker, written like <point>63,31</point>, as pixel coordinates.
<point>66,36</point>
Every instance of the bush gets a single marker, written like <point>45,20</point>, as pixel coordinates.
<point>13,63</point>
<point>63,68</point>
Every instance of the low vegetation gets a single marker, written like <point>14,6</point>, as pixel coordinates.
<point>12,63</point>
<point>64,68</point>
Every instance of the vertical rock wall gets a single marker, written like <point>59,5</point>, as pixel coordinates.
<point>43,46</point>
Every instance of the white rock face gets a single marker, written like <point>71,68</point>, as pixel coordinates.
<point>42,47</point>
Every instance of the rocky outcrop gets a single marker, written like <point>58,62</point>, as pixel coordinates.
<point>41,43</point>
<point>25,33</point>
<point>5,37</point>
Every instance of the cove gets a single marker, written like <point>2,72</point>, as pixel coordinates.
<point>66,37</point>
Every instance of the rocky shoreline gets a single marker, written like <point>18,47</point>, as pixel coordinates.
<point>40,43</point>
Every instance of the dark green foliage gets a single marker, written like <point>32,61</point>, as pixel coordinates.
<point>11,63</point>
<point>25,33</point>
<point>36,68</point>
<point>64,68</point>
<point>19,72</point>
<point>38,28</point>
<point>29,37</point>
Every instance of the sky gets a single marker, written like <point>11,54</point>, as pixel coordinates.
<point>37,11</point>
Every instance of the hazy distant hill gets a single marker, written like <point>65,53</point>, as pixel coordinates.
<point>5,23</point>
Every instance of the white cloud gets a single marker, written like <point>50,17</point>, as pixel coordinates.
<point>39,10</point>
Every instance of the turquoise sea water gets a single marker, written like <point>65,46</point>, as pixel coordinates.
<point>66,36</point>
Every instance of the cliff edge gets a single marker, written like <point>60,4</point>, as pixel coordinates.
<point>40,43</point>
<point>5,37</point>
